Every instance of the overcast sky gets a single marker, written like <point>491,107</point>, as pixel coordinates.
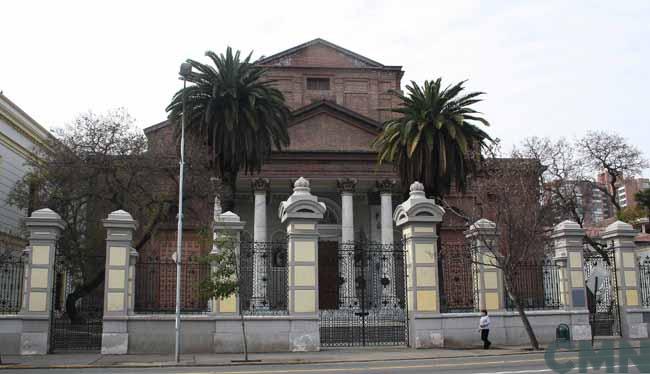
<point>549,68</point>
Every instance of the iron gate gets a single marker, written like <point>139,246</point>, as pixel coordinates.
<point>77,304</point>
<point>367,305</point>
<point>457,278</point>
<point>601,286</point>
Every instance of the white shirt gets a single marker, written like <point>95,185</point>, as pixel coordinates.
<point>484,324</point>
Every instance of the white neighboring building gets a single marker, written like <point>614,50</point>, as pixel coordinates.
<point>21,137</point>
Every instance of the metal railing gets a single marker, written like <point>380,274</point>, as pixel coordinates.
<point>12,270</point>
<point>155,286</point>
<point>263,278</point>
<point>536,284</point>
<point>458,283</point>
<point>644,281</point>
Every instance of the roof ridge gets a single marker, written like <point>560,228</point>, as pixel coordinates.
<point>319,41</point>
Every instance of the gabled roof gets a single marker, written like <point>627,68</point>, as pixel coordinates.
<point>319,41</point>
<point>337,110</point>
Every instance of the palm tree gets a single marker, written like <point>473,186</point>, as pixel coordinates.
<point>237,113</point>
<point>434,138</point>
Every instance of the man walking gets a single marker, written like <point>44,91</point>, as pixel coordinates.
<point>484,327</point>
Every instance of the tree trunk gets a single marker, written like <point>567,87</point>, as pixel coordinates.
<point>79,292</point>
<point>522,313</point>
<point>227,195</point>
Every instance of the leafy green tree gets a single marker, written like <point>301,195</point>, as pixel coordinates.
<point>236,112</point>
<point>435,138</point>
<point>631,214</point>
<point>224,280</point>
<point>643,199</point>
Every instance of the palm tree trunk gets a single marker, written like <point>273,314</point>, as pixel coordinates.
<point>228,192</point>
<point>522,313</point>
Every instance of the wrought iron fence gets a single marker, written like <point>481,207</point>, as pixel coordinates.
<point>458,284</point>
<point>263,275</point>
<point>12,270</point>
<point>155,286</point>
<point>536,284</point>
<point>644,280</point>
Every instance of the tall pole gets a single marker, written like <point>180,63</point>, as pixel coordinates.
<point>185,68</point>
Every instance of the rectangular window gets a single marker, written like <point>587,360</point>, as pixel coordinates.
<point>318,84</point>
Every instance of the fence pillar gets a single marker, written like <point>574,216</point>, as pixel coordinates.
<point>417,217</point>
<point>568,243</point>
<point>44,227</point>
<point>621,235</point>
<point>119,281</point>
<point>301,212</point>
<point>483,235</point>
<point>227,226</point>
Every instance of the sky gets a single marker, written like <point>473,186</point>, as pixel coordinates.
<point>549,68</point>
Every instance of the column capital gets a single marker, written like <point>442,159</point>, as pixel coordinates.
<point>386,186</point>
<point>260,185</point>
<point>346,185</point>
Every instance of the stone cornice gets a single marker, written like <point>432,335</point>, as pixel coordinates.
<point>17,148</point>
<point>23,123</point>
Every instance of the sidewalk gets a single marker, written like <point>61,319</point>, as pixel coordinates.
<point>366,354</point>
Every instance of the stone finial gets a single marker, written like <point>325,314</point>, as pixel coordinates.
<point>120,215</point>
<point>301,183</point>
<point>483,223</point>
<point>483,227</point>
<point>417,190</point>
<point>417,208</point>
<point>346,184</point>
<point>301,202</point>
<point>567,228</point>
<point>45,217</point>
<point>120,219</point>
<point>260,184</point>
<point>619,228</point>
<point>45,213</point>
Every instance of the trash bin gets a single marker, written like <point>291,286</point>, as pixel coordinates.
<point>562,333</point>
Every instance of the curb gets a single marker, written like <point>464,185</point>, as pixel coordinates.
<point>136,365</point>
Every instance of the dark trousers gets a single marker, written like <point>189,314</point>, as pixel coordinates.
<point>484,337</point>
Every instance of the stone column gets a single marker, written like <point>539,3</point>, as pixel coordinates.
<point>300,213</point>
<point>44,227</point>
<point>260,258</point>
<point>483,235</point>
<point>621,236</point>
<point>388,263</point>
<point>417,217</point>
<point>346,261</point>
<point>227,226</point>
<point>118,282</point>
<point>568,243</point>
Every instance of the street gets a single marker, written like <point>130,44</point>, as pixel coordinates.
<point>512,364</point>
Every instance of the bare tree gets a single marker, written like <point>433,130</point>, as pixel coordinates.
<point>508,192</point>
<point>612,154</point>
<point>98,164</point>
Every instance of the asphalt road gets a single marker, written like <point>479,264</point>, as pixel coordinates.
<point>515,364</point>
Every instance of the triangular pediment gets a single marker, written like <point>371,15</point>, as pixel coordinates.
<point>328,127</point>
<point>319,53</point>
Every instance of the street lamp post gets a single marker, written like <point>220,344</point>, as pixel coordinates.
<point>186,68</point>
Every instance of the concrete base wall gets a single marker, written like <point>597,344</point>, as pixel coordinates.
<point>24,335</point>
<point>11,328</point>
<point>461,329</point>
<point>207,334</point>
